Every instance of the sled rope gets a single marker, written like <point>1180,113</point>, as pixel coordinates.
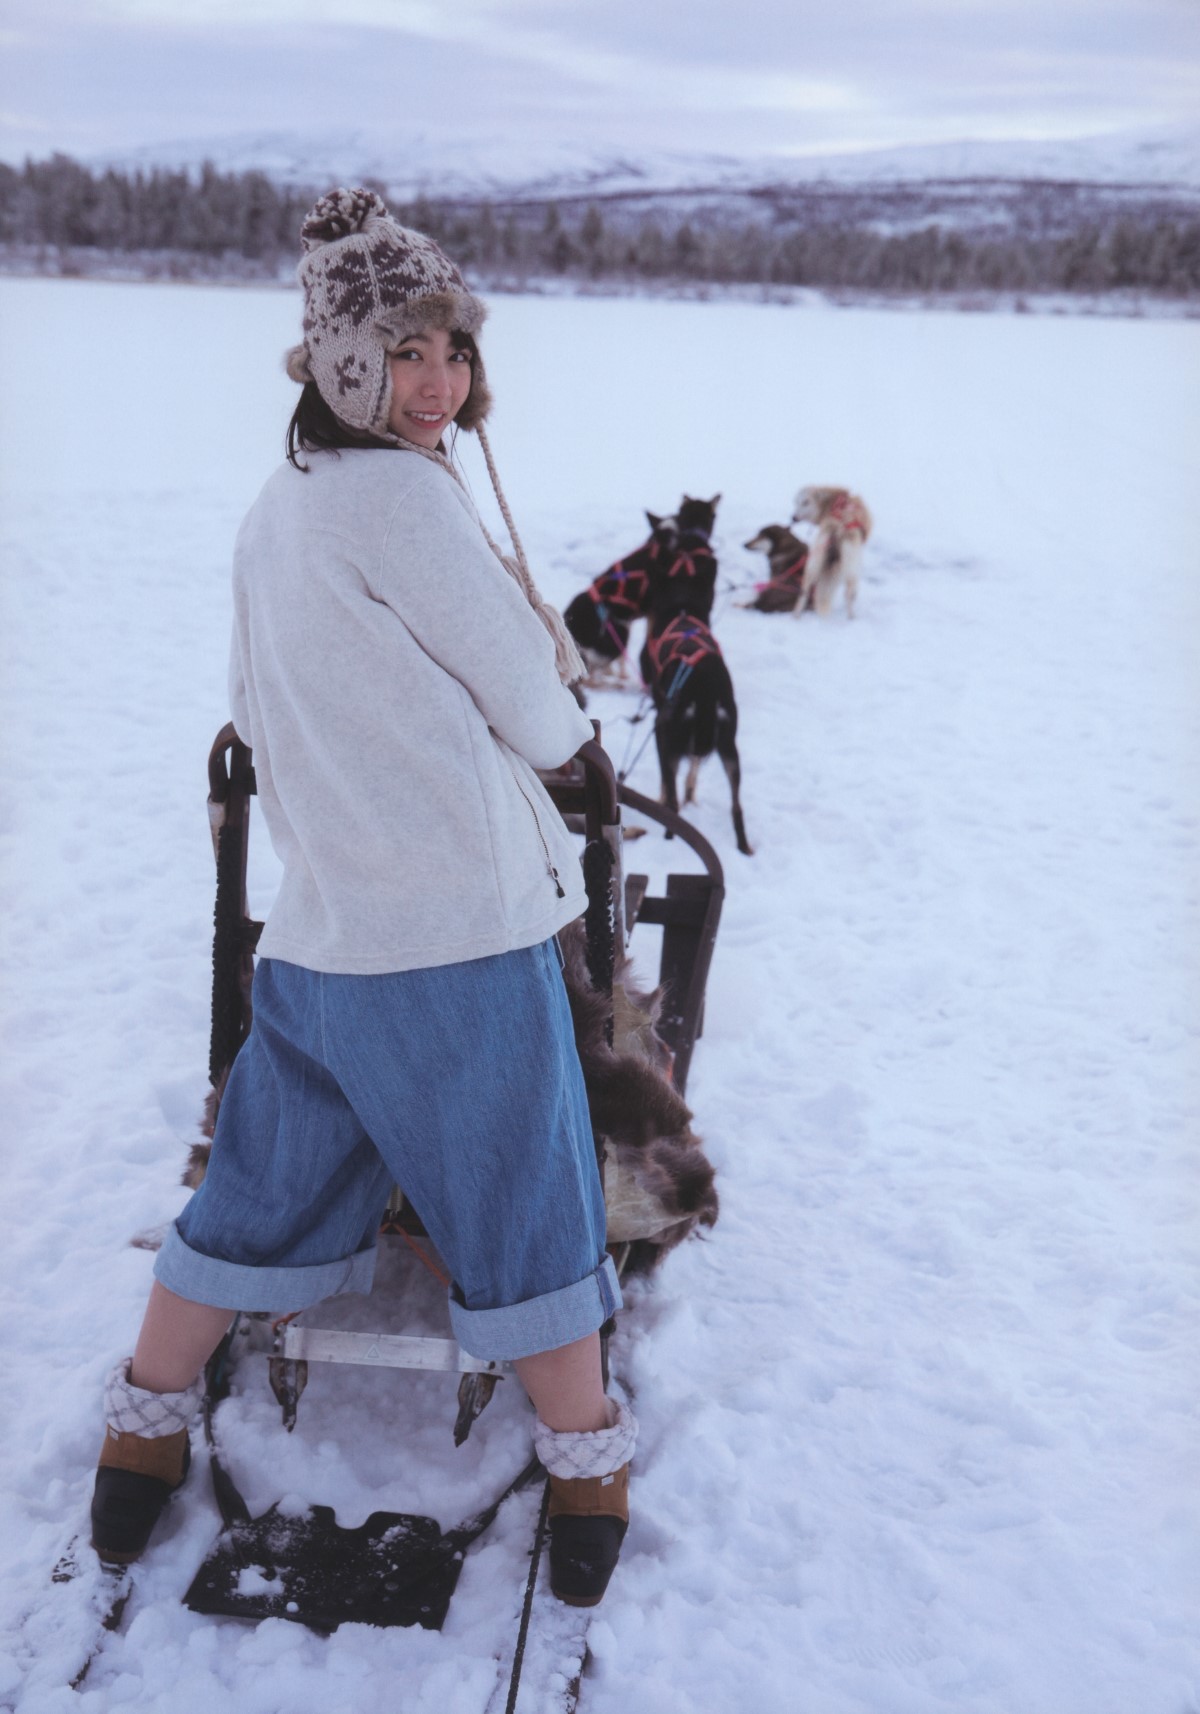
<point>683,672</point>
<point>535,1559</point>
<point>631,765</point>
<point>439,1275</point>
<point>634,719</point>
<point>722,599</point>
<point>613,633</point>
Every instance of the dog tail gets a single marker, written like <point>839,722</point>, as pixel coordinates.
<point>704,731</point>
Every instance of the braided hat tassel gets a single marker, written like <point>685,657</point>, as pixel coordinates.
<point>566,656</point>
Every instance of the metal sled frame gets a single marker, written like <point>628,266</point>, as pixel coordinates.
<point>588,796</point>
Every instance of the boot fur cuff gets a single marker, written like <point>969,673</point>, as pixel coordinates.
<point>601,1452</point>
<point>151,1416</point>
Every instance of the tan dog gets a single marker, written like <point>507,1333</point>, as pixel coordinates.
<point>843,525</point>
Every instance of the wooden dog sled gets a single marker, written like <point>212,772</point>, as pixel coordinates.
<point>398,1568</point>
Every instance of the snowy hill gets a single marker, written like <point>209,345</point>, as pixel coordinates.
<point>516,169</point>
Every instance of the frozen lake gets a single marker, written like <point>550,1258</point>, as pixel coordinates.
<point>919,1421</point>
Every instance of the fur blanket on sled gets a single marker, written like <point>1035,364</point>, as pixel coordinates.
<point>658,1182</point>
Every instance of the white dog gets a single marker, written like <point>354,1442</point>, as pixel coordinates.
<point>843,525</point>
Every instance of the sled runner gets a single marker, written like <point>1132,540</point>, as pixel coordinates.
<point>400,1569</point>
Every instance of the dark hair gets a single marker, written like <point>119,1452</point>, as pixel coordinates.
<point>314,428</point>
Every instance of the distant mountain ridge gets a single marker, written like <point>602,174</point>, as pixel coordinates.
<point>504,169</point>
<point>1099,217</point>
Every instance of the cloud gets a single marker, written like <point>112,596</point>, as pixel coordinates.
<point>710,74</point>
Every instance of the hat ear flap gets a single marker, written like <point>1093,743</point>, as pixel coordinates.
<point>296,362</point>
<point>478,402</point>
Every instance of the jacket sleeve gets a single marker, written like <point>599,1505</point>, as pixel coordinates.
<point>239,707</point>
<point>438,574</point>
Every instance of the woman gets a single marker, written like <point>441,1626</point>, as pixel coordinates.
<point>398,683</point>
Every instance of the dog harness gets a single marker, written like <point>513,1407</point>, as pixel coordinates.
<point>793,571</point>
<point>693,561</point>
<point>622,593</point>
<point>624,588</point>
<point>849,511</point>
<point>677,650</point>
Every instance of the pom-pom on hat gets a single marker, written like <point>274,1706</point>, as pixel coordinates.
<point>368,283</point>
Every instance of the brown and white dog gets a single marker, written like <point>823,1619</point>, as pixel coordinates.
<point>843,525</point>
<point>787,557</point>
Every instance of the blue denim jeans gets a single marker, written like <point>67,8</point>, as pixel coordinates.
<point>461,1084</point>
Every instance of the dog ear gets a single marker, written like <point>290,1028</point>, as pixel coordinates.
<point>653,520</point>
<point>715,501</point>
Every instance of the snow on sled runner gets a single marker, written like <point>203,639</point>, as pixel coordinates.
<point>400,1568</point>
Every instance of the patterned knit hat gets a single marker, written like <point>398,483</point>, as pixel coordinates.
<point>369,283</point>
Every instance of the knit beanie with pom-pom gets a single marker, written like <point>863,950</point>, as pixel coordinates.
<point>369,283</point>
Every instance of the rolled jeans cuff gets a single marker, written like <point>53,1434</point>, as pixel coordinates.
<point>232,1285</point>
<point>540,1323</point>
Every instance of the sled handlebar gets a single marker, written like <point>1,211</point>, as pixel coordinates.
<point>229,764</point>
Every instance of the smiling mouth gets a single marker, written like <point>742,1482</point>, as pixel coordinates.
<point>427,416</point>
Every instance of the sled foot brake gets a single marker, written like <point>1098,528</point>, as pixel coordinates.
<point>288,1380</point>
<point>474,1392</point>
<point>395,1569</point>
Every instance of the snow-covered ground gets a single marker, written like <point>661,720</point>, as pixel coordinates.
<point>918,1422</point>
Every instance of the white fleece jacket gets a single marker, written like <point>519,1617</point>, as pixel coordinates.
<point>397,691</point>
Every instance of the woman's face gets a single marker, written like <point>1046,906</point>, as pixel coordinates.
<point>431,377</point>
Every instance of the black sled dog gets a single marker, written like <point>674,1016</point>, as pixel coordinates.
<point>685,579</point>
<point>787,557</point>
<point>600,616</point>
<point>695,711</point>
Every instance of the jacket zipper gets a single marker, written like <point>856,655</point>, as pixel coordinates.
<point>558,886</point>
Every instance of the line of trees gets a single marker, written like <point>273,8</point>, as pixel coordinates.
<point>242,223</point>
<point>1160,254</point>
<point>59,202</point>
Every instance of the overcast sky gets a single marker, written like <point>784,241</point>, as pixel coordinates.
<point>738,76</point>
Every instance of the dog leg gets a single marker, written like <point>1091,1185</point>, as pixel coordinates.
<point>851,558</point>
<point>814,573</point>
<point>832,569</point>
<point>689,789</point>
<point>668,764</point>
<point>731,762</point>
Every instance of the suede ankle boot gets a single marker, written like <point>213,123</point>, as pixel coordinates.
<point>135,1479</point>
<point>588,1519</point>
<point>589,1502</point>
<point>143,1461</point>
